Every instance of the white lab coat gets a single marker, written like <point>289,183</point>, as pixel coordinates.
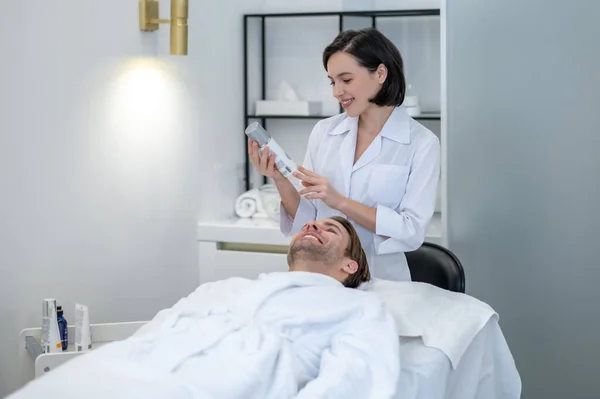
<point>398,175</point>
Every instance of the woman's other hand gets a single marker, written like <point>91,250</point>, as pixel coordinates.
<point>318,187</point>
<point>265,164</point>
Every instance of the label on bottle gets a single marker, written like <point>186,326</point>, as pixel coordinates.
<point>283,162</point>
<point>46,334</point>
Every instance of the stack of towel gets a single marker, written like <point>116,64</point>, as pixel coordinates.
<point>260,203</point>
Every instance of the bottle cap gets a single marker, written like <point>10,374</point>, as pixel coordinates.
<point>257,133</point>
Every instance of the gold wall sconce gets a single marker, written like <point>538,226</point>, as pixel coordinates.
<point>149,22</point>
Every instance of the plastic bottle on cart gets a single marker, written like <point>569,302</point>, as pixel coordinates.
<point>62,328</point>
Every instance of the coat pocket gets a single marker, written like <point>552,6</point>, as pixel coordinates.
<point>387,184</point>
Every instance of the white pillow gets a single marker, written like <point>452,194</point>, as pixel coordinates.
<point>446,320</point>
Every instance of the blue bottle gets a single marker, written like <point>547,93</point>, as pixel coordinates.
<point>62,328</point>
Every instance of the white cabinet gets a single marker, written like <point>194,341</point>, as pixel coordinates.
<point>240,248</point>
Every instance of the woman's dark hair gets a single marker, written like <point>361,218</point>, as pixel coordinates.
<point>371,49</point>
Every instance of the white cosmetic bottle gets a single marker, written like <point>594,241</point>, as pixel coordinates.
<point>51,342</point>
<point>282,161</point>
<point>83,332</point>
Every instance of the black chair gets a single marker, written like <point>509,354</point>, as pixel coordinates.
<point>436,265</point>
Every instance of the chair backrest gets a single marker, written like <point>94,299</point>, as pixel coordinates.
<point>436,265</point>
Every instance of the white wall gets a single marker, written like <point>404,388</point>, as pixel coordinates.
<point>523,182</point>
<point>108,161</point>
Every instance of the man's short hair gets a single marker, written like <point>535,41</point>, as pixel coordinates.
<point>354,251</point>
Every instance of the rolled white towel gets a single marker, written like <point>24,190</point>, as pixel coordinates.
<point>247,204</point>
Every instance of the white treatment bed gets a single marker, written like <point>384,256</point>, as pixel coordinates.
<point>486,369</point>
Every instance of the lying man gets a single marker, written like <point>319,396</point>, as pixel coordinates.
<point>302,334</point>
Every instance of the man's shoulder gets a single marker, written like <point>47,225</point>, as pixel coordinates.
<point>221,290</point>
<point>363,297</point>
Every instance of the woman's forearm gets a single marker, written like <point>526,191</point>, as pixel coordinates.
<point>362,214</point>
<point>289,195</point>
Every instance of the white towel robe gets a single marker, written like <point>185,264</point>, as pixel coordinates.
<point>289,335</point>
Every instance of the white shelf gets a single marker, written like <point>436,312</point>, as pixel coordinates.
<point>266,231</point>
<point>34,363</point>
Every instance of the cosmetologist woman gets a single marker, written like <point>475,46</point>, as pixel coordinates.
<point>373,163</point>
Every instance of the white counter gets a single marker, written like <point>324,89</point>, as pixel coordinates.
<point>266,231</point>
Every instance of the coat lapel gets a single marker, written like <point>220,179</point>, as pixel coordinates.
<point>370,153</point>
<point>347,151</point>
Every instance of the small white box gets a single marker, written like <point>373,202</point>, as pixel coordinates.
<point>274,107</point>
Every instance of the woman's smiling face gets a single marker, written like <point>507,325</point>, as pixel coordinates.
<point>353,85</point>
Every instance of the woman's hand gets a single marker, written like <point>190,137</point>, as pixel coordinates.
<point>265,164</point>
<point>317,187</point>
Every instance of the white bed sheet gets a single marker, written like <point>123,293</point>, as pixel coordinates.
<point>486,371</point>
